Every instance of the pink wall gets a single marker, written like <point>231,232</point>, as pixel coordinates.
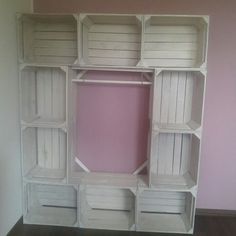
<point>218,165</point>
<point>113,119</point>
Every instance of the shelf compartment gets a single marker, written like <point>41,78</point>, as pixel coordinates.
<point>175,41</point>
<point>50,204</point>
<point>162,211</point>
<point>174,160</point>
<point>107,120</point>
<point>44,152</point>
<point>111,40</point>
<point>178,101</point>
<point>43,96</point>
<point>47,38</point>
<point>107,208</point>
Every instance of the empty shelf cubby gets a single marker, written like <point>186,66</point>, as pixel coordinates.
<point>44,153</point>
<point>174,160</point>
<point>110,40</point>
<point>107,208</point>
<point>178,101</point>
<point>110,115</point>
<point>50,204</point>
<point>47,38</point>
<point>175,41</point>
<point>43,96</point>
<point>169,212</point>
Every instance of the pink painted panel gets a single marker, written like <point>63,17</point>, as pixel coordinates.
<point>112,123</point>
<point>217,187</point>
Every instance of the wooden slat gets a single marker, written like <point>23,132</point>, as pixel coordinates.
<point>169,29</point>
<point>42,43</point>
<point>55,35</point>
<point>112,61</point>
<point>170,62</point>
<point>165,96</point>
<point>113,53</point>
<point>170,46</point>
<point>53,51</point>
<point>180,103</point>
<point>171,38</point>
<point>172,99</point>
<point>170,54</point>
<point>177,154</point>
<point>114,28</point>
<point>162,223</point>
<point>52,27</point>
<point>55,59</point>
<point>114,45</point>
<point>114,37</point>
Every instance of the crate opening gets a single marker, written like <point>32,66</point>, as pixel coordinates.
<point>110,40</point>
<point>175,41</point>
<point>51,204</point>
<point>176,160</point>
<point>107,208</point>
<point>165,211</point>
<point>48,39</point>
<point>179,100</point>
<point>43,97</point>
<point>111,124</point>
<point>44,154</point>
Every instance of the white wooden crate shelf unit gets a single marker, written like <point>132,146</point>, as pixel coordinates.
<point>43,96</point>
<point>50,204</point>
<point>47,38</point>
<point>44,153</point>
<point>165,57</point>
<point>87,84</point>
<point>107,208</point>
<point>163,211</point>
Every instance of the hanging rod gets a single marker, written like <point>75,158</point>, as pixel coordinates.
<point>112,81</point>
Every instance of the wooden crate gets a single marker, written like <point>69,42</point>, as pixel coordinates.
<point>43,96</point>
<point>178,101</point>
<point>161,211</point>
<point>107,208</point>
<point>175,41</point>
<point>111,40</point>
<point>47,38</point>
<point>174,160</point>
<point>50,204</point>
<point>44,154</point>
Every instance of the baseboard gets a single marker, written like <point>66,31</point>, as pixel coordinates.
<point>215,212</point>
<point>13,230</point>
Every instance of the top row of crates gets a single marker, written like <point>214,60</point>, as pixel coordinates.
<point>137,41</point>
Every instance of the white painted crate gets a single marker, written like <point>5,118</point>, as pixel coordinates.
<point>178,101</point>
<point>175,41</point>
<point>174,160</point>
<point>43,96</point>
<point>44,154</point>
<point>111,40</point>
<point>169,212</point>
<point>50,204</point>
<point>107,208</point>
<point>47,38</point>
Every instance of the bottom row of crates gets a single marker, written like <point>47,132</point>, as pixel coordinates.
<point>91,206</point>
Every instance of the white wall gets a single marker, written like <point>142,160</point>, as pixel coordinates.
<point>10,169</point>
